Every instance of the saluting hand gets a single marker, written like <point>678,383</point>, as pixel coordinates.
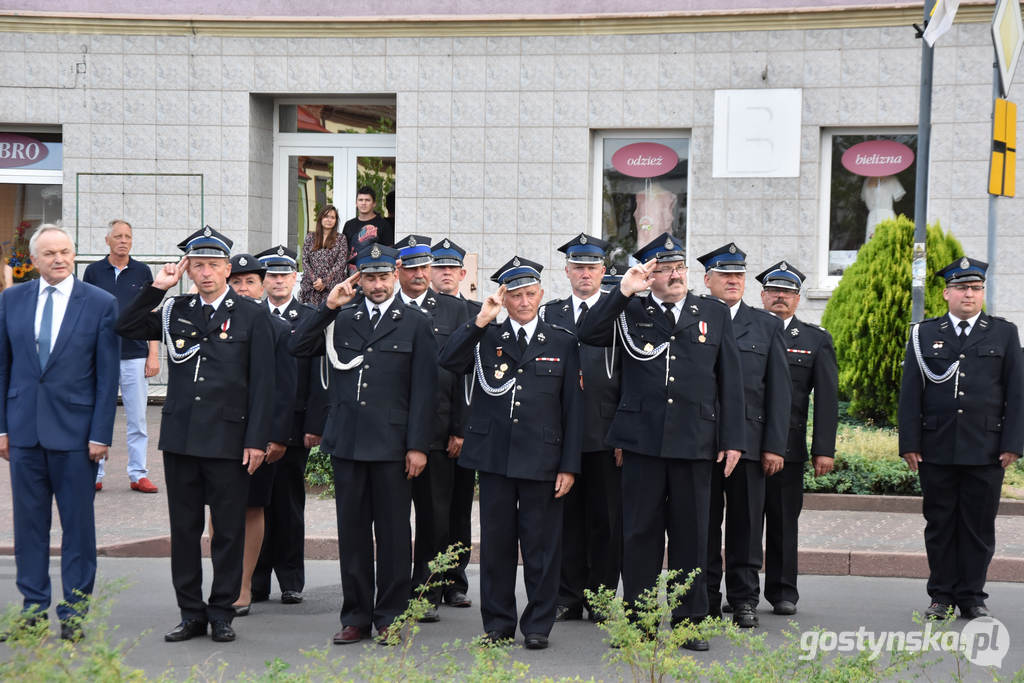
<point>343,292</point>
<point>170,274</point>
<point>252,458</point>
<point>638,278</point>
<point>491,307</point>
<point>731,458</point>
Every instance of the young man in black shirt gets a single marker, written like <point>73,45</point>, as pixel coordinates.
<point>367,226</point>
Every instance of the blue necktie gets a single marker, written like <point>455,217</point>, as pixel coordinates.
<point>45,325</point>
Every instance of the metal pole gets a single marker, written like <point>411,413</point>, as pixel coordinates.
<point>990,278</point>
<point>924,134</point>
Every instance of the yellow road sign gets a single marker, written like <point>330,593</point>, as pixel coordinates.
<point>1008,38</point>
<point>1003,166</point>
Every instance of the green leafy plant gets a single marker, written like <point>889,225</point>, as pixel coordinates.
<point>869,314</point>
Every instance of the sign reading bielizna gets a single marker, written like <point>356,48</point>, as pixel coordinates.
<point>22,151</point>
<point>878,158</point>
<point>645,160</point>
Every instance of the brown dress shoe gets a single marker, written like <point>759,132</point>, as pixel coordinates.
<point>350,634</point>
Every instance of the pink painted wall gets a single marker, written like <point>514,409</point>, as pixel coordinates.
<point>395,8</point>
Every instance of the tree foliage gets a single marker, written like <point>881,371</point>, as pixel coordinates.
<point>869,314</point>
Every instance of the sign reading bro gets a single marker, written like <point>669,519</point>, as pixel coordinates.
<point>20,150</point>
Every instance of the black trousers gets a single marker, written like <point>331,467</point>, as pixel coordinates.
<point>519,514</point>
<point>192,484</point>
<point>592,530</point>
<point>461,526</point>
<point>960,506</point>
<point>372,501</point>
<point>432,497</point>
<point>284,539</point>
<point>739,498</point>
<point>783,500</point>
<point>662,495</point>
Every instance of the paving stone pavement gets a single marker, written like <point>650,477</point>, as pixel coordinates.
<point>128,517</point>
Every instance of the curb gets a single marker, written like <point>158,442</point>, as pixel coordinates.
<point>908,504</point>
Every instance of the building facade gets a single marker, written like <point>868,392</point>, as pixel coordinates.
<point>722,121</point>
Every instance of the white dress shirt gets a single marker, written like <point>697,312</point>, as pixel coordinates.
<point>576,301</point>
<point>60,305</point>
<point>786,322</point>
<point>529,327</point>
<point>282,308</point>
<point>418,300</point>
<point>216,302</point>
<point>383,306</point>
<point>970,323</point>
<point>735,307</point>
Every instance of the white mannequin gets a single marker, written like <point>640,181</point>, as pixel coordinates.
<point>879,195</point>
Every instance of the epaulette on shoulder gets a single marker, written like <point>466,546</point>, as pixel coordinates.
<point>445,297</point>
<point>562,329</point>
<point>768,314</point>
<point>709,297</point>
<point>553,302</point>
<point>350,304</point>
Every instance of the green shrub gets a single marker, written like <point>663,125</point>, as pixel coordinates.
<point>869,314</point>
<point>320,473</point>
<point>864,475</point>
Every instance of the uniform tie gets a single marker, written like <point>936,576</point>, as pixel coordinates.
<point>374,317</point>
<point>521,339</point>
<point>277,312</point>
<point>583,313</point>
<point>963,325</point>
<point>208,311</point>
<point>45,327</point>
<point>669,314</point>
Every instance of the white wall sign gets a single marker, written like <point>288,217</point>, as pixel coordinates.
<point>757,133</point>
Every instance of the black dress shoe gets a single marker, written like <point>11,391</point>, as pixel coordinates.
<point>498,638</point>
<point>745,615</point>
<point>784,607</point>
<point>221,631</point>
<point>186,630</point>
<point>430,616</point>
<point>291,597</point>
<point>536,641</point>
<point>974,611</point>
<point>71,631</point>
<point>696,644</point>
<point>566,613</point>
<point>456,598</point>
<point>937,610</point>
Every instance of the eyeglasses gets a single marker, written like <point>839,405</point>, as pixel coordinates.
<point>964,288</point>
<point>669,271</point>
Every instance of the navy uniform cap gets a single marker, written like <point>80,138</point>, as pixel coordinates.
<point>376,258</point>
<point>246,263</point>
<point>728,259</point>
<point>664,247</point>
<point>447,253</point>
<point>414,250</point>
<point>206,242</point>
<point>782,276</point>
<point>584,248</point>
<point>614,274</point>
<point>279,259</point>
<point>518,272</point>
<point>964,270</point>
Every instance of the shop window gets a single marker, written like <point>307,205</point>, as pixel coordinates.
<point>337,118</point>
<point>869,178</point>
<point>30,193</point>
<point>642,188</point>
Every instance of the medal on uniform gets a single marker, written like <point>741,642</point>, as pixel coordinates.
<point>503,367</point>
<point>498,374</point>
<point>224,327</point>
<point>794,332</point>
<point>648,347</point>
<point>703,327</point>
<point>938,344</point>
<point>179,344</point>
<point>223,335</point>
<point>497,352</point>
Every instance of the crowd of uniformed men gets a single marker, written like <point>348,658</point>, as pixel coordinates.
<point>595,425</point>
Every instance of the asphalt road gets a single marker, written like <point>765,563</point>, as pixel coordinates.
<point>143,608</point>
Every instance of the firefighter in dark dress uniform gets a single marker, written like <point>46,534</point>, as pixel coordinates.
<point>592,519</point>
<point>447,271</point>
<point>961,420</point>
<point>432,491</point>
<point>812,367</point>
<point>285,529</point>
<point>680,409</point>
<point>523,436</point>
<point>767,397</point>
<point>383,382</point>
<point>216,420</point>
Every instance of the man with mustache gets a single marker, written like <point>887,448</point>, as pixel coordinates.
<point>812,367</point>
<point>433,490</point>
<point>767,395</point>
<point>680,409</point>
